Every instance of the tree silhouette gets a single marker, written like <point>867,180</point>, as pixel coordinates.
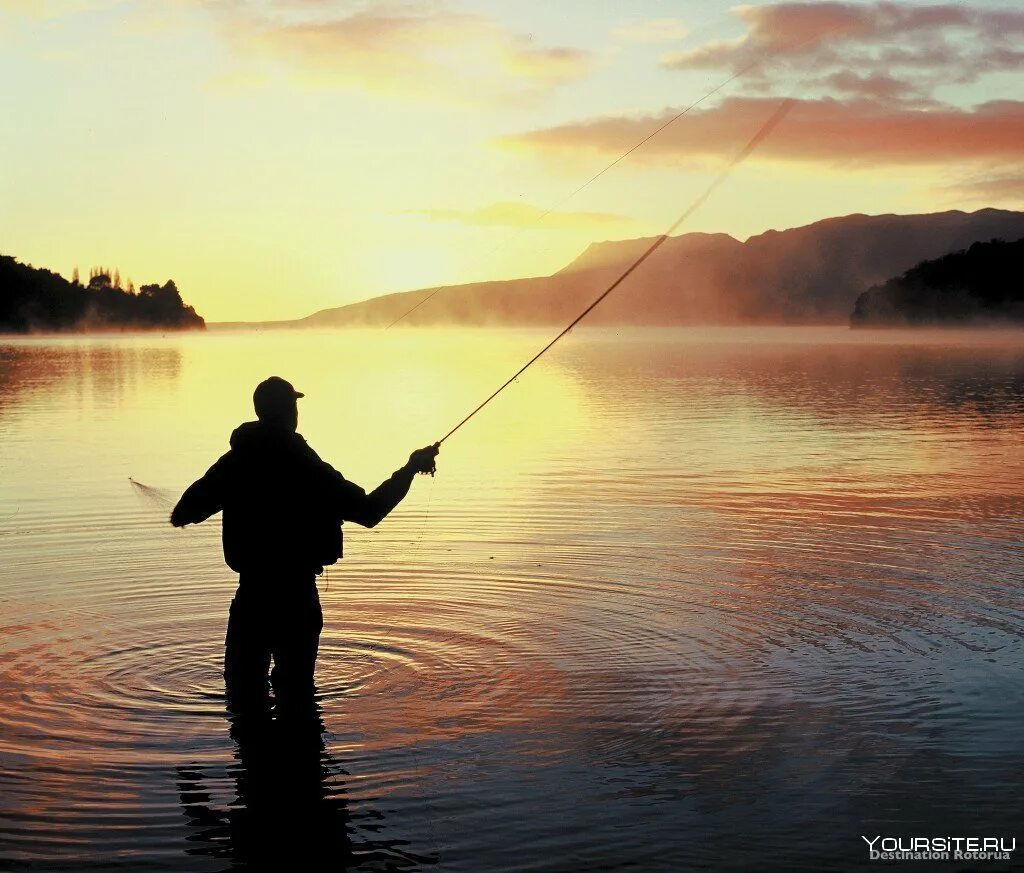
<point>99,281</point>
<point>977,285</point>
<point>34,299</point>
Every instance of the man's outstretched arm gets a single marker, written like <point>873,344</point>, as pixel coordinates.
<point>201,499</point>
<point>370,509</point>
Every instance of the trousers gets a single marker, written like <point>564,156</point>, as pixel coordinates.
<point>273,618</point>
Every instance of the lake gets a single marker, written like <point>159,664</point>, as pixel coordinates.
<point>725,599</point>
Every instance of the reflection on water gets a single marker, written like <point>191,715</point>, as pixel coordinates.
<point>289,797</point>
<point>680,598</point>
<point>283,793</point>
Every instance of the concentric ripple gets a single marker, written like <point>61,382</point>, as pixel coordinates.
<point>677,592</point>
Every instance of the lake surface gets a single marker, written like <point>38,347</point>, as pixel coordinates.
<point>678,599</point>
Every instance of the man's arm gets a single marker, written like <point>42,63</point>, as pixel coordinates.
<point>370,509</point>
<point>202,498</point>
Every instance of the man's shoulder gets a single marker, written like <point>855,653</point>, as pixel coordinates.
<point>309,455</point>
<point>303,448</point>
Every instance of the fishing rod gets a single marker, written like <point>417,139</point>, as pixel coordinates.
<point>765,129</point>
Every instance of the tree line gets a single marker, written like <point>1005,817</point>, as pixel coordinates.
<point>33,299</point>
<point>978,285</point>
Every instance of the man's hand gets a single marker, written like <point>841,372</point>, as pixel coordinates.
<point>425,460</point>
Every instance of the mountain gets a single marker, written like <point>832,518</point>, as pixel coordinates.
<point>981,285</point>
<point>809,274</point>
<point>40,300</point>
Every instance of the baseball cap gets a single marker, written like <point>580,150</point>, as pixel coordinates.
<point>274,396</point>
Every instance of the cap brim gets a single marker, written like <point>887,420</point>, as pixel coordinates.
<point>299,394</point>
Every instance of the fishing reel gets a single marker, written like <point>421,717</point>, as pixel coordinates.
<point>424,460</point>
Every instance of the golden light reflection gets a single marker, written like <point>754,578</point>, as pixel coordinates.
<point>646,550</point>
<point>372,396</point>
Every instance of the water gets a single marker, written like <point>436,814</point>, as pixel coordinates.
<point>680,599</point>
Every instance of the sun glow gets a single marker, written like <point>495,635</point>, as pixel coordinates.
<point>357,160</point>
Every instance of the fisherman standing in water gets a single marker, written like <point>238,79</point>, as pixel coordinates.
<point>283,508</point>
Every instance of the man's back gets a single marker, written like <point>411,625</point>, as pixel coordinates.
<point>283,506</point>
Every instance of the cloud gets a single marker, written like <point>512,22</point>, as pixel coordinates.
<point>1007,187</point>
<point>552,65</point>
<point>869,74</point>
<point>653,30</point>
<point>414,50</point>
<point>524,215</point>
<point>823,131</point>
<point>925,45</point>
<point>374,51</point>
<point>873,86</point>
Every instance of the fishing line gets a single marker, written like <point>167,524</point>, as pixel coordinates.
<point>168,498</point>
<point>418,542</point>
<point>560,203</point>
<point>780,112</point>
<point>163,496</point>
<point>159,495</point>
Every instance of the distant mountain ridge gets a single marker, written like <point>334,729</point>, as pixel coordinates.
<point>804,275</point>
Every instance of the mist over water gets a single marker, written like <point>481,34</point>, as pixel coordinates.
<point>725,598</point>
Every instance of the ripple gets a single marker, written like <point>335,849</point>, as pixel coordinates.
<point>717,596</point>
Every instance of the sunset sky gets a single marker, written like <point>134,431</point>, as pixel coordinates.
<point>275,158</point>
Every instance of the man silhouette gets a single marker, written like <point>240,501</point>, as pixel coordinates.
<point>283,509</point>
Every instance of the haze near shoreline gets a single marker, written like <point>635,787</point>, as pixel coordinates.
<point>805,275</point>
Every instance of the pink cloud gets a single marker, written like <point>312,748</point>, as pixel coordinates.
<point>825,131</point>
<point>928,45</point>
<point>874,86</point>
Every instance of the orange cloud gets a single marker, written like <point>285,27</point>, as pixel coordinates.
<point>411,51</point>
<point>525,215</point>
<point>874,86</point>
<point>823,131</point>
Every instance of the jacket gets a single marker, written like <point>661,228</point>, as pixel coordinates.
<point>283,506</point>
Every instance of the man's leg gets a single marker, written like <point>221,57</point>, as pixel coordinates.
<point>295,646</point>
<point>246,651</point>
